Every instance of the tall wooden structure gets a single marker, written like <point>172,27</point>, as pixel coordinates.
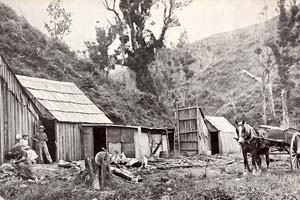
<point>193,135</point>
<point>18,114</point>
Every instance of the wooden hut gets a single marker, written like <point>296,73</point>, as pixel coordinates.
<point>134,141</point>
<point>64,107</point>
<point>199,134</point>
<point>221,135</point>
<point>18,114</point>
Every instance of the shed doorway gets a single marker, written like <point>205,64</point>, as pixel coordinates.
<point>99,139</point>
<point>214,142</point>
<point>50,131</point>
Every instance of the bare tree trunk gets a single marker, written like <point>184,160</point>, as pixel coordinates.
<point>271,98</point>
<point>185,95</point>
<point>264,100</point>
<point>264,104</point>
<point>231,100</point>
<point>285,114</point>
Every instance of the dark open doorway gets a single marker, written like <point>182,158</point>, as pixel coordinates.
<point>214,142</point>
<point>99,139</point>
<point>50,131</point>
<point>171,139</point>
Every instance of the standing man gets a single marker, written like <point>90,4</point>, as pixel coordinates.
<point>42,139</point>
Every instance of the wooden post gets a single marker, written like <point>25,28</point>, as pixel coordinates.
<point>167,136</point>
<point>198,128</point>
<point>5,110</point>
<point>2,106</point>
<point>177,127</point>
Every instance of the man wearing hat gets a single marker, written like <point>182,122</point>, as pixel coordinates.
<point>42,139</point>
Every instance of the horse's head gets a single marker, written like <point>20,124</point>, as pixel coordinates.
<point>241,132</point>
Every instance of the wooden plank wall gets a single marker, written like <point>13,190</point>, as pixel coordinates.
<point>17,113</point>
<point>68,140</point>
<point>121,139</point>
<point>88,142</point>
<point>190,130</point>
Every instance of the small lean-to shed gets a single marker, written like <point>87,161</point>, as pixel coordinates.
<point>222,135</point>
<point>64,107</point>
<point>134,141</point>
<point>18,114</point>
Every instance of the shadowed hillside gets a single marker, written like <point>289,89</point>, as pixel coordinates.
<point>217,84</point>
<point>30,52</point>
<point>222,87</point>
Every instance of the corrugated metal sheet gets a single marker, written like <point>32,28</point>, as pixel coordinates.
<point>17,112</point>
<point>64,100</point>
<point>221,123</point>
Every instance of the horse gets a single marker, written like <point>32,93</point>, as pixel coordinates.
<point>251,142</point>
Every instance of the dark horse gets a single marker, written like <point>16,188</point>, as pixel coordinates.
<point>251,142</point>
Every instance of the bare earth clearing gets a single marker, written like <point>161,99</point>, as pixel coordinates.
<point>216,181</point>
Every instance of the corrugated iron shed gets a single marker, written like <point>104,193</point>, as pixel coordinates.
<point>220,123</point>
<point>64,100</point>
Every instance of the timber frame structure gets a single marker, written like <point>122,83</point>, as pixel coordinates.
<point>191,130</point>
<point>18,113</point>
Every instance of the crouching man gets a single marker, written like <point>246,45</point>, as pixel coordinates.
<point>102,160</point>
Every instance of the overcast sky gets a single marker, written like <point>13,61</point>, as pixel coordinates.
<point>201,19</point>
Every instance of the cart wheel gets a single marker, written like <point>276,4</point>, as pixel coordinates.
<point>294,156</point>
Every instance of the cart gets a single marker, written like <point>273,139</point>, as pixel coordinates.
<point>284,141</point>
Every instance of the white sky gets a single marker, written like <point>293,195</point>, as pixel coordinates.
<point>201,19</point>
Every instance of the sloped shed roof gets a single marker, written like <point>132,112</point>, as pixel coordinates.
<point>64,100</point>
<point>220,123</point>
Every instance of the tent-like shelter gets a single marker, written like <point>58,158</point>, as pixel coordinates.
<point>222,134</point>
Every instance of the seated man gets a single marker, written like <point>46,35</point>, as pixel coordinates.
<point>32,156</point>
<point>23,164</point>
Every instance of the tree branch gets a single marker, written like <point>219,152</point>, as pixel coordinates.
<point>252,76</point>
<point>166,20</point>
<point>112,9</point>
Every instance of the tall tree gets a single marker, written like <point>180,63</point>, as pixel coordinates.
<point>287,38</point>
<point>142,43</point>
<point>98,51</point>
<point>266,62</point>
<point>60,20</point>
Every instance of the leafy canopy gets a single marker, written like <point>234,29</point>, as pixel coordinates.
<point>138,41</point>
<point>60,20</point>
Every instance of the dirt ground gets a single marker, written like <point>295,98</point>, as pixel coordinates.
<point>216,181</point>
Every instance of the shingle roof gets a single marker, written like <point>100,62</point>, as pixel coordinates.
<point>221,123</point>
<point>64,100</point>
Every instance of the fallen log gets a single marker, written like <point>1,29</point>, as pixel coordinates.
<point>122,173</point>
<point>126,175</point>
<point>192,165</point>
